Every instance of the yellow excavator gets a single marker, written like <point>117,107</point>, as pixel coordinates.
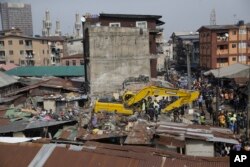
<point>130,99</point>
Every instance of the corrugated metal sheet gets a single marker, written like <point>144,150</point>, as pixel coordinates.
<point>6,80</point>
<point>200,132</point>
<point>104,155</point>
<point>42,156</point>
<point>170,141</point>
<point>40,71</point>
<point>17,155</point>
<point>22,125</point>
<point>140,134</point>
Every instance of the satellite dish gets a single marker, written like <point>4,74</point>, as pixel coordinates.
<point>83,19</point>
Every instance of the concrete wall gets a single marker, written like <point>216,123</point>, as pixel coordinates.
<point>49,104</point>
<point>199,148</point>
<point>115,54</point>
<point>74,47</point>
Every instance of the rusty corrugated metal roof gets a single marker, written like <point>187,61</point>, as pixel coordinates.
<point>14,155</point>
<point>170,141</point>
<point>104,155</point>
<point>140,134</point>
<point>206,133</point>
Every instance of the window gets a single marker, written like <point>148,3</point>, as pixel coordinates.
<point>22,62</point>
<point>1,43</point>
<point>12,61</point>
<point>74,62</point>
<point>81,62</point>
<point>10,42</point>
<point>20,42</point>
<point>11,52</point>
<point>233,45</point>
<point>222,60</point>
<point>234,59</point>
<point>47,51</point>
<point>43,52</point>
<point>114,24</point>
<point>242,31</point>
<point>208,34</point>
<point>234,32</point>
<point>21,52</point>
<point>141,24</point>
<point>242,58</point>
<point>67,63</point>
<point>242,45</point>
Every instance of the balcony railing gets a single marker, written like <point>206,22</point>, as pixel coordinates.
<point>222,51</point>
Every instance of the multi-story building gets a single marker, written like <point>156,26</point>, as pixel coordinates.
<point>149,22</point>
<point>74,46</point>
<point>23,50</point>
<point>186,44</point>
<point>73,60</point>
<point>17,15</point>
<point>57,46</point>
<point>223,45</point>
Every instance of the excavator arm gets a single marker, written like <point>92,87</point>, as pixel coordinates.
<point>185,96</point>
<point>181,101</point>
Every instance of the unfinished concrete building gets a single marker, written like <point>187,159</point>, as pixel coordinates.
<point>116,53</point>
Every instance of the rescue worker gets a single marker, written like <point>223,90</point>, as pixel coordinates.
<point>156,110</point>
<point>222,120</point>
<point>202,118</point>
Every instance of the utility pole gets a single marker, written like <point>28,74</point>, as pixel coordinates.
<point>248,106</point>
<point>189,49</point>
<point>86,82</point>
<point>189,67</point>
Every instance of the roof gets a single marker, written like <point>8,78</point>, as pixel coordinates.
<point>22,125</point>
<point>236,70</point>
<point>54,38</point>
<point>132,16</point>
<point>41,71</point>
<point>218,27</point>
<point>97,154</point>
<point>79,56</point>
<point>7,67</point>
<point>6,80</point>
<point>21,36</point>
<point>189,37</point>
<point>183,33</point>
<point>58,83</point>
<point>205,133</point>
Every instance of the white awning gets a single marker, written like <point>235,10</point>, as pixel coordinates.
<point>233,71</point>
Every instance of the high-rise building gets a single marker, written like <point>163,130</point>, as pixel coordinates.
<point>17,15</point>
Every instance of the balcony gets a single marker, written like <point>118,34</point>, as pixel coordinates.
<point>28,47</point>
<point>222,51</point>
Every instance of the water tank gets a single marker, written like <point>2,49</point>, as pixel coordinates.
<point>241,23</point>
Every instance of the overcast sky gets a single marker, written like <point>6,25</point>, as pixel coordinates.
<point>178,15</point>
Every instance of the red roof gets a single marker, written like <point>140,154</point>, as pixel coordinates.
<point>7,67</point>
